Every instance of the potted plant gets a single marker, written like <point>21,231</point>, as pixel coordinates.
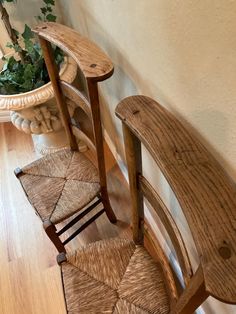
<point>25,88</point>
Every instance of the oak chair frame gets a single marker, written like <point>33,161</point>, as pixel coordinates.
<point>204,190</point>
<point>95,66</point>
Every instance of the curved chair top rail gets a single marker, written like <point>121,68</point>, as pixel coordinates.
<point>205,192</point>
<point>93,62</point>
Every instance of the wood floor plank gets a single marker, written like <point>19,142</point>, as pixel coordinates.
<point>30,280</point>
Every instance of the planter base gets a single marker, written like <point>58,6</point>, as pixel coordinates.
<point>52,142</point>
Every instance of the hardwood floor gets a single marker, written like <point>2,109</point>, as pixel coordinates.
<point>30,280</point>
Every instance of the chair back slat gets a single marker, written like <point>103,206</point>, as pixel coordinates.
<point>76,97</point>
<point>78,101</point>
<point>172,229</point>
<point>204,190</point>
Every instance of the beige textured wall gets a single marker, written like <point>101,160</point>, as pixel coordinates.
<point>181,53</point>
<point>22,12</point>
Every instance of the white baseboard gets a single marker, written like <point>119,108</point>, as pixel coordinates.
<point>5,116</point>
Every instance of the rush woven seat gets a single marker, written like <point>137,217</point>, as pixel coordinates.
<point>114,276</point>
<point>60,184</point>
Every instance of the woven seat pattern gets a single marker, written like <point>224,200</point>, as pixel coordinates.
<point>60,184</point>
<point>114,276</point>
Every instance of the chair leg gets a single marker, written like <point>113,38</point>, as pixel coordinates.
<point>107,206</point>
<point>50,230</point>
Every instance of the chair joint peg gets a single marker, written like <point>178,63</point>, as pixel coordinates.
<point>61,258</point>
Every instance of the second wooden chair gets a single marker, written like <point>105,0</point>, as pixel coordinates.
<point>124,276</point>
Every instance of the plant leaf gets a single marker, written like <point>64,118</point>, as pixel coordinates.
<point>28,34</point>
<point>52,2</point>
<point>43,10</point>
<point>51,18</point>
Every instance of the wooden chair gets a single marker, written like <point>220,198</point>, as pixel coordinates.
<point>63,183</point>
<point>119,275</point>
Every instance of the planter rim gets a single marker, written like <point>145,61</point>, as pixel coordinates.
<point>39,95</point>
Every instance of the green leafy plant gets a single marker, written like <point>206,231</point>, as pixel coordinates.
<point>26,70</point>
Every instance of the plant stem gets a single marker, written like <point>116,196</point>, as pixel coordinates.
<point>10,31</point>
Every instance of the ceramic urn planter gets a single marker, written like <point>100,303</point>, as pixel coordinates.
<point>36,113</point>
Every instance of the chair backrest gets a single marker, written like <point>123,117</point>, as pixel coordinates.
<point>95,67</point>
<point>205,192</point>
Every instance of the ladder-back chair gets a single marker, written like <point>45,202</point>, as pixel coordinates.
<point>63,183</point>
<point>119,275</point>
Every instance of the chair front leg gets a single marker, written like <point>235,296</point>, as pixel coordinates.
<point>50,230</point>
